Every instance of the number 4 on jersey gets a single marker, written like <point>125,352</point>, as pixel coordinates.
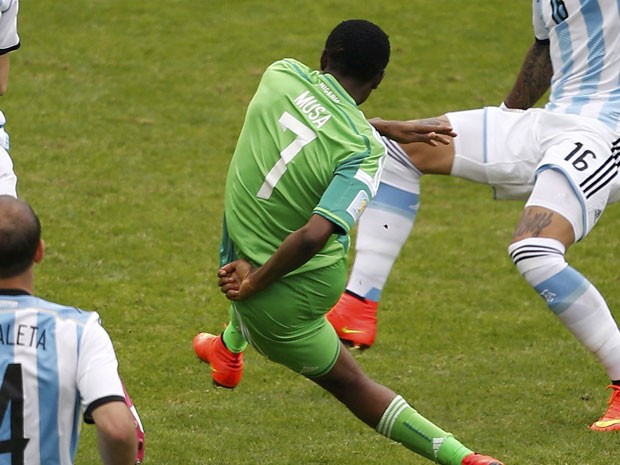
<point>12,392</point>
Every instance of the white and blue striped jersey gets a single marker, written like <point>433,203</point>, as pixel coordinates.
<point>585,53</point>
<point>56,364</point>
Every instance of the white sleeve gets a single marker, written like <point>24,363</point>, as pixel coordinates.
<point>97,372</point>
<point>540,30</point>
<point>8,179</point>
<point>9,39</point>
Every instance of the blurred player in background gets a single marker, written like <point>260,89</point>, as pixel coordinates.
<point>57,363</point>
<point>9,41</point>
<point>564,157</point>
<point>306,163</point>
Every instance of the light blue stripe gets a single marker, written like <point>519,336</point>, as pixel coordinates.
<point>563,289</point>
<point>610,111</point>
<point>596,55</point>
<point>395,200</point>
<point>75,434</point>
<point>7,356</point>
<point>47,367</point>
<point>373,294</point>
<point>566,47</point>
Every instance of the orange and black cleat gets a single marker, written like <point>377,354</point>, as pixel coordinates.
<point>226,366</point>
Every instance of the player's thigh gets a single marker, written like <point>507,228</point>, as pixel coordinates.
<point>286,322</point>
<point>552,210</point>
<point>578,153</point>
<point>494,146</point>
<point>426,158</point>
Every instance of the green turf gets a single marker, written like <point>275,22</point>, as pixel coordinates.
<point>123,116</point>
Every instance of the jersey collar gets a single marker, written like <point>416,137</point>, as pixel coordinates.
<point>337,87</point>
<point>13,292</point>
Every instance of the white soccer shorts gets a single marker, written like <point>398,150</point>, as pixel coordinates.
<point>507,149</point>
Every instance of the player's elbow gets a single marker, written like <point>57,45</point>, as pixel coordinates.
<point>118,444</point>
<point>118,441</point>
<point>121,435</point>
<point>316,232</point>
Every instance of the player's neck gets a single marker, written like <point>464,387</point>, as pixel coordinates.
<point>358,92</point>
<point>23,282</point>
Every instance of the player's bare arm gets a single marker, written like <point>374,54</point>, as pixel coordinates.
<point>430,131</point>
<point>239,279</point>
<point>116,434</point>
<point>4,73</point>
<point>534,77</point>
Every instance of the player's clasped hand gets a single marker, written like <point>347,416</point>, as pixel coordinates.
<point>234,280</point>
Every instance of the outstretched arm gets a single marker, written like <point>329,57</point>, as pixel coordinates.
<point>239,279</point>
<point>534,77</point>
<point>430,132</point>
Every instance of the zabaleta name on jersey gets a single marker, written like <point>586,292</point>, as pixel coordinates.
<point>22,335</point>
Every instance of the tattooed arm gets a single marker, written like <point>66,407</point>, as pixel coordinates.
<point>534,77</point>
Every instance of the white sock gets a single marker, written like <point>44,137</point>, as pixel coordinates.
<point>383,229</point>
<point>571,297</point>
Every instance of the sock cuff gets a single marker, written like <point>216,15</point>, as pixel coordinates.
<point>543,244</point>
<point>396,407</point>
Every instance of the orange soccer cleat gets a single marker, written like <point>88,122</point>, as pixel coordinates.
<point>226,366</point>
<point>355,320</point>
<point>610,421</point>
<point>478,459</point>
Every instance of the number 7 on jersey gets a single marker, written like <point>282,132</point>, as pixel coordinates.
<point>304,134</point>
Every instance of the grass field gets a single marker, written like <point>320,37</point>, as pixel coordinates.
<point>123,116</point>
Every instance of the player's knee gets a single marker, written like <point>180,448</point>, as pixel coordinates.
<point>538,258</point>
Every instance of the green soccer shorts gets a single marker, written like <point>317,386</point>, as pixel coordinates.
<point>286,322</point>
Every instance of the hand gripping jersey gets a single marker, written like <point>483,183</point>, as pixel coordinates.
<point>305,148</point>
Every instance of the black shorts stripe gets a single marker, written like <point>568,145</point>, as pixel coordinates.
<point>603,175</point>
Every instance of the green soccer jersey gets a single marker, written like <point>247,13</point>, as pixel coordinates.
<point>304,148</point>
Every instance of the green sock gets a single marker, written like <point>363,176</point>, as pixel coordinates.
<point>232,336</point>
<point>401,423</point>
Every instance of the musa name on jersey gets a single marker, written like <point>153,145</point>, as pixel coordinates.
<point>305,148</point>
<point>586,79</point>
<point>56,364</point>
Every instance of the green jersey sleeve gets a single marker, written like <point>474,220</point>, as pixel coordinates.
<point>350,191</point>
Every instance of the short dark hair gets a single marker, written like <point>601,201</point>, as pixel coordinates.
<point>20,233</point>
<point>358,49</point>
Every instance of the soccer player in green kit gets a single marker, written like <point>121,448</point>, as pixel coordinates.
<point>306,163</point>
